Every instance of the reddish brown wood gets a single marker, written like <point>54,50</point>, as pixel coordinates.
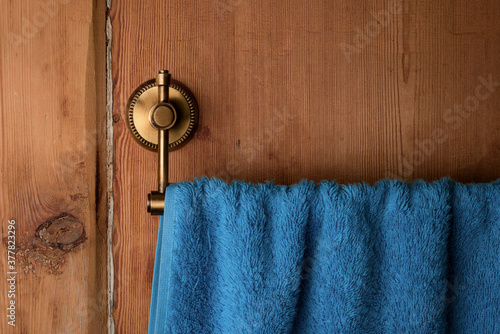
<point>281,99</point>
<point>53,172</point>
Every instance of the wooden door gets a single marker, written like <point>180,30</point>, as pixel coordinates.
<point>353,91</point>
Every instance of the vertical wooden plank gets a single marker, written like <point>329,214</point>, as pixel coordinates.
<point>346,90</point>
<point>52,99</point>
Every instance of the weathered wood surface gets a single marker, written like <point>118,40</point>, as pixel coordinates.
<point>346,90</point>
<point>53,176</point>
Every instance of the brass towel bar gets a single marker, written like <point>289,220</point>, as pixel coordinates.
<point>162,116</point>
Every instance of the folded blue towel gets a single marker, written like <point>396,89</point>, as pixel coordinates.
<point>390,258</point>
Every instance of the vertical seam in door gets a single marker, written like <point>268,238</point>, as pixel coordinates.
<point>109,172</point>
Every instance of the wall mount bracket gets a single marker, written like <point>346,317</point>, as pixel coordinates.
<point>162,115</point>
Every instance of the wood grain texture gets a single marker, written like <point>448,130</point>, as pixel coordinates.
<point>52,102</point>
<point>346,90</point>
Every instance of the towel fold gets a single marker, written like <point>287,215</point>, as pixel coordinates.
<point>390,258</point>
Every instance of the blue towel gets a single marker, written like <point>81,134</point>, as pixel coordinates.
<point>390,258</point>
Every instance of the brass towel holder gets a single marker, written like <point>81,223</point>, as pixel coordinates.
<point>162,115</point>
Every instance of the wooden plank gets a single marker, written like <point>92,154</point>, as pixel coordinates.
<point>52,100</point>
<point>351,91</point>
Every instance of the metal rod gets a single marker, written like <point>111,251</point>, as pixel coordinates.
<point>163,82</point>
<point>162,117</point>
<point>162,160</point>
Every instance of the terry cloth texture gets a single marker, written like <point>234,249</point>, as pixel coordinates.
<point>390,258</point>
